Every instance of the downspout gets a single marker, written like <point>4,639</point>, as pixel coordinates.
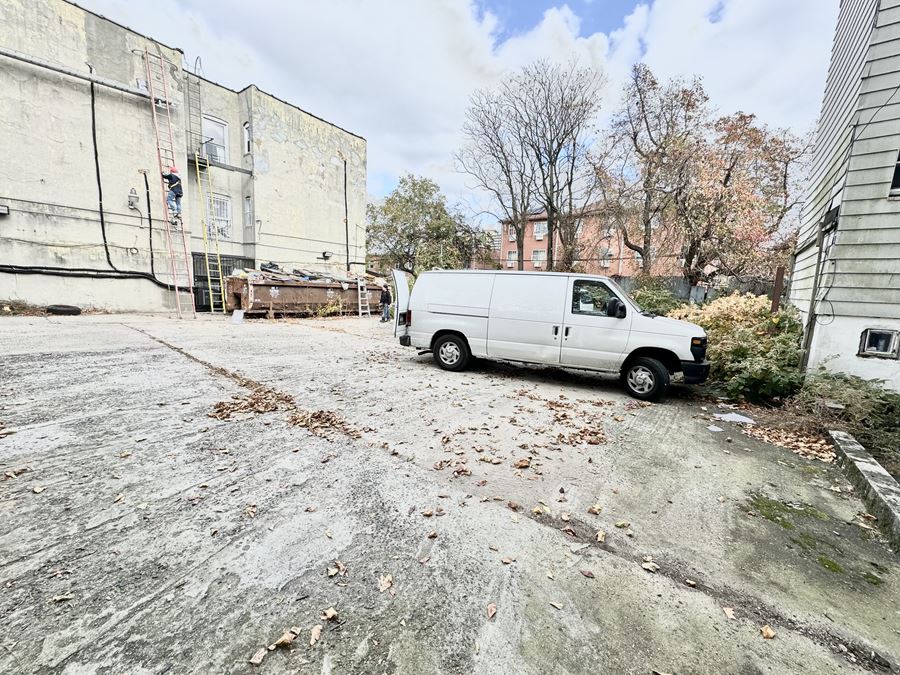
<point>346,217</point>
<point>809,329</point>
<point>149,221</point>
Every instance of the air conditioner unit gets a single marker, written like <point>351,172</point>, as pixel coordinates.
<point>537,263</point>
<point>539,237</point>
<point>510,263</point>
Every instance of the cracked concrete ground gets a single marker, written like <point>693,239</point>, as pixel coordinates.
<point>144,536</point>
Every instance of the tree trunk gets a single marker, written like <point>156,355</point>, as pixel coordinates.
<point>520,246</point>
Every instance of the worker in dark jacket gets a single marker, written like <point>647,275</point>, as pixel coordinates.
<point>173,199</point>
<point>386,304</point>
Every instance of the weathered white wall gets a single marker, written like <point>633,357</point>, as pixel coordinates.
<point>835,347</point>
<point>299,189</point>
<point>47,178</point>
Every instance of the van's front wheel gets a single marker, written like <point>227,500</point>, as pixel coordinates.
<point>646,378</point>
<point>451,352</point>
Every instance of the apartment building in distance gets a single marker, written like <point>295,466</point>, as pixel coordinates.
<point>846,275</point>
<point>78,223</point>
<point>602,249</point>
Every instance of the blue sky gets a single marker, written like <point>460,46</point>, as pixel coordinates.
<point>518,16</point>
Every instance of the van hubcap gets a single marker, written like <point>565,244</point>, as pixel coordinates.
<point>641,380</point>
<point>449,353</point>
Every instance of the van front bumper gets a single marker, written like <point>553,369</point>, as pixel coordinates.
<point>695,373</point>
<point>405,340</point>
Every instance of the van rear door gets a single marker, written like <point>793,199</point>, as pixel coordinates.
<point>401,297</point>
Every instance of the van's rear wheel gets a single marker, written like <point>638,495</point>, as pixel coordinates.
<point>646,378</point>
<point>451,352</point>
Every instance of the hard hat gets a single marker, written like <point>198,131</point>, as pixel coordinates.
<point>172,169</point>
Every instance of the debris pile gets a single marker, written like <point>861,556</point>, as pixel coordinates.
<point>260,400</point>
<point>805,445</point>
<point>323,423</point>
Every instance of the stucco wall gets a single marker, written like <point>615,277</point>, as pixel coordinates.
<point>835,347</point>
<point>299,187</point>
<point>48,179</point>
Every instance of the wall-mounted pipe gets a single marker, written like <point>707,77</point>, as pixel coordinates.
<point>87,77</point>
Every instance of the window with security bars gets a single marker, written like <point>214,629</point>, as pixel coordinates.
<point>220,220</point>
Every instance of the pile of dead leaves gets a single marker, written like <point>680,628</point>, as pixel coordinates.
<point>806,445</point>
<point>323,423</point>
<point>260,400</point>
<point>590,435</point>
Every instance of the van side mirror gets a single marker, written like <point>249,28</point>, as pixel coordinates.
<point>615,308</point>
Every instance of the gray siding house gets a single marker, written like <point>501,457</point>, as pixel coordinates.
<point>846,274</point>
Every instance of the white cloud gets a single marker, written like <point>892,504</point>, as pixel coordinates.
<point>400,73</point>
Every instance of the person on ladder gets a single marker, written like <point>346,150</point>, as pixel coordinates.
<point>173,199</point>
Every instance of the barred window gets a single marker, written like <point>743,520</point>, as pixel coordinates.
<point>220,223</point>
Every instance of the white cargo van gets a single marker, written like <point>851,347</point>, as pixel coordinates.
<point>569,320</point>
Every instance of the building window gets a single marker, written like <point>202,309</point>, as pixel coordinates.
<point>879,343</point>
<point>511,231</point>
<point>540,229</point>
<point>246,138</point>
<point>215,140</point>
<point>538,257</point>
<point>220,224</point>
<point>590,297</point>
<point>511,258</point>
<point>895,181</point>
<point>605,257</point>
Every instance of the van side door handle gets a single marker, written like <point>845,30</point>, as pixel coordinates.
<point>555,331</point>
<point>566,333</point>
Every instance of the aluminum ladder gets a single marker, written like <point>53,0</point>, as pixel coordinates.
<point>362,294</point>
<point>210,228</point>
<point>161,106</point>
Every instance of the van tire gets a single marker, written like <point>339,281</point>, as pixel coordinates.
<point>451,352</point>
<point>645,378</point>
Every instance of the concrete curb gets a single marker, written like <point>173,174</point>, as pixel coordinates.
<point>880,492</point>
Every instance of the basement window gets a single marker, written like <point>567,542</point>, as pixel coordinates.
<point>879,343</point>
<point>895,181</point>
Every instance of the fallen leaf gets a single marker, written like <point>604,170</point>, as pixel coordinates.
<point>556,605</point>
<point>587,573</point>
<point>595,509</point>
<point>767,632</point>
<point>491,610</point>
<point>601,536</point>
<point>513,505</point>
<point>428,513</point>
<point>329,614</point>
<point>569,531</point>
<point>310,509</point>
<point>385,583</point>
<point>286,638</point>
<point>332,571</point>
<point>650,566</point>
<point>118,498</point>
<point>328,534</point>
<point>622,524</point>
<point>523,463</point>
<point>258,656</point>
<point>507,561</point>
<point>432,535</point>
<point>566,517</point>
<point>690,582</point>
<point>38,489</point>
<point>62,598</point>
<point>315,634</point>
<point>729,612</point>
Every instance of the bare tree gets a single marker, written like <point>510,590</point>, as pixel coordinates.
<point>495,155</point>
<point>555,108</point>
<point>643,162</point>
<point>527,145</point>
